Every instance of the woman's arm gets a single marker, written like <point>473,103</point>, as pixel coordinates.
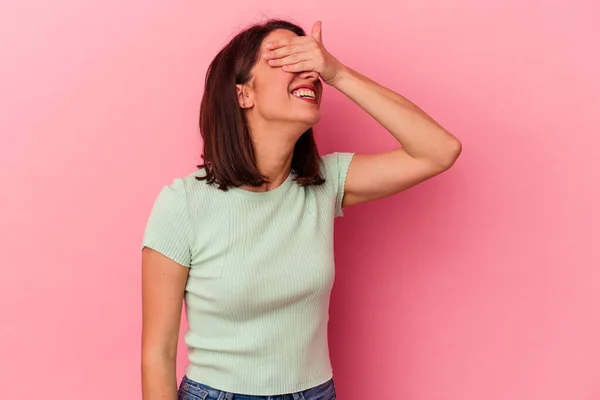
<point>427,148</point>
<point>163,287</point>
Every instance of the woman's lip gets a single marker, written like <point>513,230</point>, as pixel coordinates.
<point>310,87</point>
<point>313,101</point>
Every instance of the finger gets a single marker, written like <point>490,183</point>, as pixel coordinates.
<point>283,51</point>
<point>316,31</point>
<point>289,60</point>
<point>298,67</point>
<point>276,44</point>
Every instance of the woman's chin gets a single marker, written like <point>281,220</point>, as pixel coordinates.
<point>311,119</point>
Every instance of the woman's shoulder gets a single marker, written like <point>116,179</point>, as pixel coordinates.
<point>181,189</point>
<point>187,183</point>
<point>335,163</point>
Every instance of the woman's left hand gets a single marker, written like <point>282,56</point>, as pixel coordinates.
<point>305,53</point>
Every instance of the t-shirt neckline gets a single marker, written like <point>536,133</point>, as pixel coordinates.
<point>278,191</point>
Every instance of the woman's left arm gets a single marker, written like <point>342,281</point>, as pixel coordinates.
<point>427,148</point>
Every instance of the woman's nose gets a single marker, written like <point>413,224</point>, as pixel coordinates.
<point>310,75</point>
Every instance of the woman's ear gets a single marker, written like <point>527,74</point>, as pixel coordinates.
<point>244,98</point>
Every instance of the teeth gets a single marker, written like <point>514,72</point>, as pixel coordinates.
<point>304,93</point>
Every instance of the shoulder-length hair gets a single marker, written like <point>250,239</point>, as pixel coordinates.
<point>228,153</point>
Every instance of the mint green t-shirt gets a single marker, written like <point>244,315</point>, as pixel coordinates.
<point>261,269</point>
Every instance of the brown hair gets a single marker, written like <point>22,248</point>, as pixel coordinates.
<point>228,154</point>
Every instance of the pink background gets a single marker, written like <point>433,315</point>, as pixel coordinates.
<point>479,284</point>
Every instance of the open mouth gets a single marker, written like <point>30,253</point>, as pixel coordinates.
<point>305,94</point>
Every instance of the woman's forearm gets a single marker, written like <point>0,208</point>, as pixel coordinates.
<point>419,134</point>
<point>159,379</point>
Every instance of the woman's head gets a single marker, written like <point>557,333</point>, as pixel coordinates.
<point>246,101</point>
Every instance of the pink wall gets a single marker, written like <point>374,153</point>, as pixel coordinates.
<point>479,284</point>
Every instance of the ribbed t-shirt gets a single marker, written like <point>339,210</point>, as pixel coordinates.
<point>261,269</point>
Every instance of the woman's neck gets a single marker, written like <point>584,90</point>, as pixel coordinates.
<point>273,150</point>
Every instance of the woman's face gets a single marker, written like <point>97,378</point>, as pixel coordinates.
<point>273,95</point>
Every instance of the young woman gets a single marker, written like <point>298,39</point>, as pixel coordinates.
<point>247,239</point>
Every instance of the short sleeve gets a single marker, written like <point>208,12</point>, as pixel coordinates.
<point>168,226</point>
<point>336,166</point>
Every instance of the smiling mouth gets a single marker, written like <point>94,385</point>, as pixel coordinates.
<point>305,94</point>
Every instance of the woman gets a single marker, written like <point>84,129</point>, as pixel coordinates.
<point>247,240</point>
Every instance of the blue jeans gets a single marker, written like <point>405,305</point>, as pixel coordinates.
<point>192,390</point>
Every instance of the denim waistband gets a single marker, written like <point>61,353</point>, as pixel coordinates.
<point>324,391</point>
